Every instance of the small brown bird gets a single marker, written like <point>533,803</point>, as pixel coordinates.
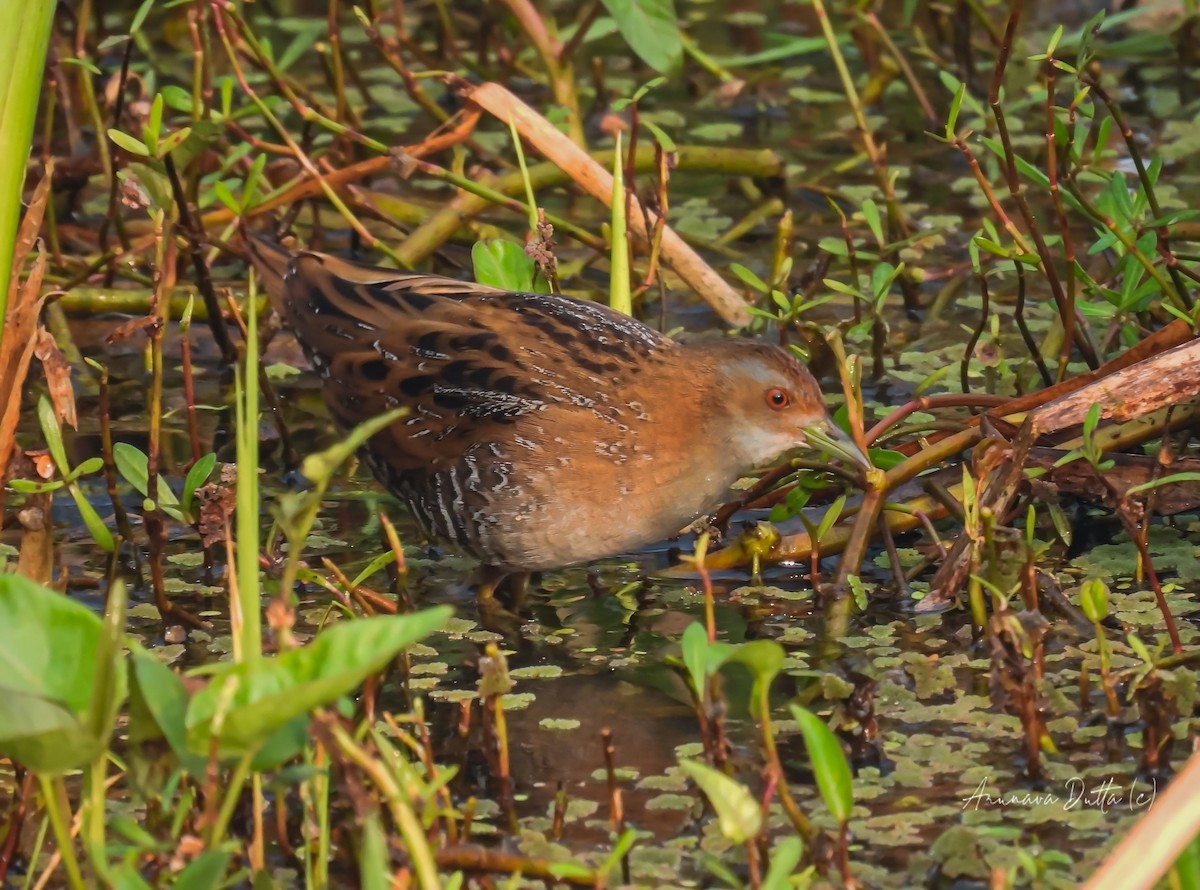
<point>542,430</point>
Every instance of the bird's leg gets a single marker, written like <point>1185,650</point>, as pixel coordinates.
<point>518,586</point>
<point>490,579</point>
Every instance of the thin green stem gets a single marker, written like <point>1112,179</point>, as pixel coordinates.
<point>248,637</point>
<point>54,796</point>
<point>216,831</point>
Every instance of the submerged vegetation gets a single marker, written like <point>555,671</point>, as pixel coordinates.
<point>226,659</point>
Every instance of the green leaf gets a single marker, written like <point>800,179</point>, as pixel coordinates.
<point>28,486</point>
<point>173,140</point>
<point>204,872</point>
<point>835,246</point>
<point>89,466</point>
<point>764,658</point>
<point>129,143</point>
<point>831,516</point>
<point>134,468</point>
<point>158,703</point>
<point>48,646</point>
<point>91,519</point>
<point>796,46</point>
<point>126,826</point>
<point>110,684</point>
<point>153,128</point>
<point>125,877</point>
<point>785,856</point>
<point>1093,599</point>
<point>319,468</point>
<point>660,136</point>
<point>618,852</point>
<point>1185,873</point>
<point>374,862</point>
<point>140,16</point>
<point>829,763</point>
<point>245,703</point>
<point>1173,479</point>
<point>196,477</point>
<point>834,285</point>
<point>177,98</point>
<point>306,37</point>
<point>748,277</point>
<point>225,196</point>
<point>695,656</point>
<point>870,212</point>
<point>651,30</point>
<point>52,433</point>
<point>738,813</point>
<point>504,264</point>
<point>1136,644</point>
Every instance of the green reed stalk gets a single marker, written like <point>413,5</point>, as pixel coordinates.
<point>247,634</point>
<point>619,296</point>
<point>23,44</point>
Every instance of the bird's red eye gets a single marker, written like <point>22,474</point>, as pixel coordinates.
<point>778,398</point>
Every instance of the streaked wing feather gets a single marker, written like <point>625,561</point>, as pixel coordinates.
<point>467,360</point>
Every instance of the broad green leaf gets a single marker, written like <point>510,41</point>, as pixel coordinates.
<point>651,30</point>
<point>504,264</point>
<point>134,468</point>
<point>282,745</point>
<point>176,98</point>
<point>829,763</point>
<point>158,703</point>
<point>48,647</point>
<point>196,477</point>
<point>764,658</point>
<point>694,645</point>
<point>738,813</point>
<point>203,872</point>
<point>246,703</point>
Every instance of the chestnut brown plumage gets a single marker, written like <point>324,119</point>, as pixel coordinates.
<point>542,430</point>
